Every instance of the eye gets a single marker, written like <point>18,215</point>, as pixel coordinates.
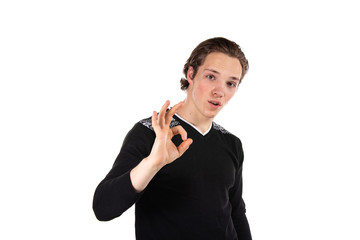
<point>231,84</point>
<point>210,76</point>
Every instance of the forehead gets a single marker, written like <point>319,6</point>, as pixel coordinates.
<point>222,63</point>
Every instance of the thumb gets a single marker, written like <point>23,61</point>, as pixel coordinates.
<point>184,146</point>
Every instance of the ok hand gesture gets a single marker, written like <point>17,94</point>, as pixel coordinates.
<point>164,150</point>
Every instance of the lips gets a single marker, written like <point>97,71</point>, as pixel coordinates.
<point>215,103</point>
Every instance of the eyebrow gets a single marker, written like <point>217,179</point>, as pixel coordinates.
<point>216,72</point>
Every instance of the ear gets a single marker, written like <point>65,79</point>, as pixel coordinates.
<point>190,74</point>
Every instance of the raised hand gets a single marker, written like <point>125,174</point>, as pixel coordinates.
<point>164,150</point>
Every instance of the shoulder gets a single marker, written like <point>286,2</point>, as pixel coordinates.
<point>222,131</point>
<point>231,142</point>
<point>142,130</point>
<point>227,137</point>
<point>147,122</point>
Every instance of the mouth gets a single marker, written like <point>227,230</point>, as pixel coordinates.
<point>215,104</point>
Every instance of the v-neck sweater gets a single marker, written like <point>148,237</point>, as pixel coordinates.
<point>189,123</point>
<point>198,196</point>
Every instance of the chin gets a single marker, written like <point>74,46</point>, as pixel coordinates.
<point>211,114</point>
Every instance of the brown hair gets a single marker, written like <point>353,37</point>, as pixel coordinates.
<point>218,44</point>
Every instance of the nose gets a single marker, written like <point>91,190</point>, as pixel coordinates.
<point>218,92</point>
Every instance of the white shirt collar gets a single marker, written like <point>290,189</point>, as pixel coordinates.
<point>192,125</point>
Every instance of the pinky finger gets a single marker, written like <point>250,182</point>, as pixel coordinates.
<point>154,119</point>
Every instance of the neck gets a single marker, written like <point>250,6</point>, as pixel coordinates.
<point>190,114</point>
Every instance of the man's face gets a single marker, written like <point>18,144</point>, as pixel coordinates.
<point>215,83</point>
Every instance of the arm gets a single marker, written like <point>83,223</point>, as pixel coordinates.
<point>115,193</point>
<point>238,205</point>
<point>143,154</point>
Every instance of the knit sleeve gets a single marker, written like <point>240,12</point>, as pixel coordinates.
<point>238,205</point>
<point>115,193</point>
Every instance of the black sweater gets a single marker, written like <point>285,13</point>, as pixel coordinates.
<point>198,196</point>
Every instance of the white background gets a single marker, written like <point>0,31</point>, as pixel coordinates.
<point>77,75</point>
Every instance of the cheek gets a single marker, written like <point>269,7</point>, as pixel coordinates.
<point>229,95</point>
<point>201,89</point>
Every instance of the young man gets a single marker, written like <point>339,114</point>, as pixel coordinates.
<point>182,170</point>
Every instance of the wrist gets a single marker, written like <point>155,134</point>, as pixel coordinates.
<point>142,174</point>
<point>152,164</point>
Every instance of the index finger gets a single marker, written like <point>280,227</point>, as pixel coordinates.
<point>171,112</point>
